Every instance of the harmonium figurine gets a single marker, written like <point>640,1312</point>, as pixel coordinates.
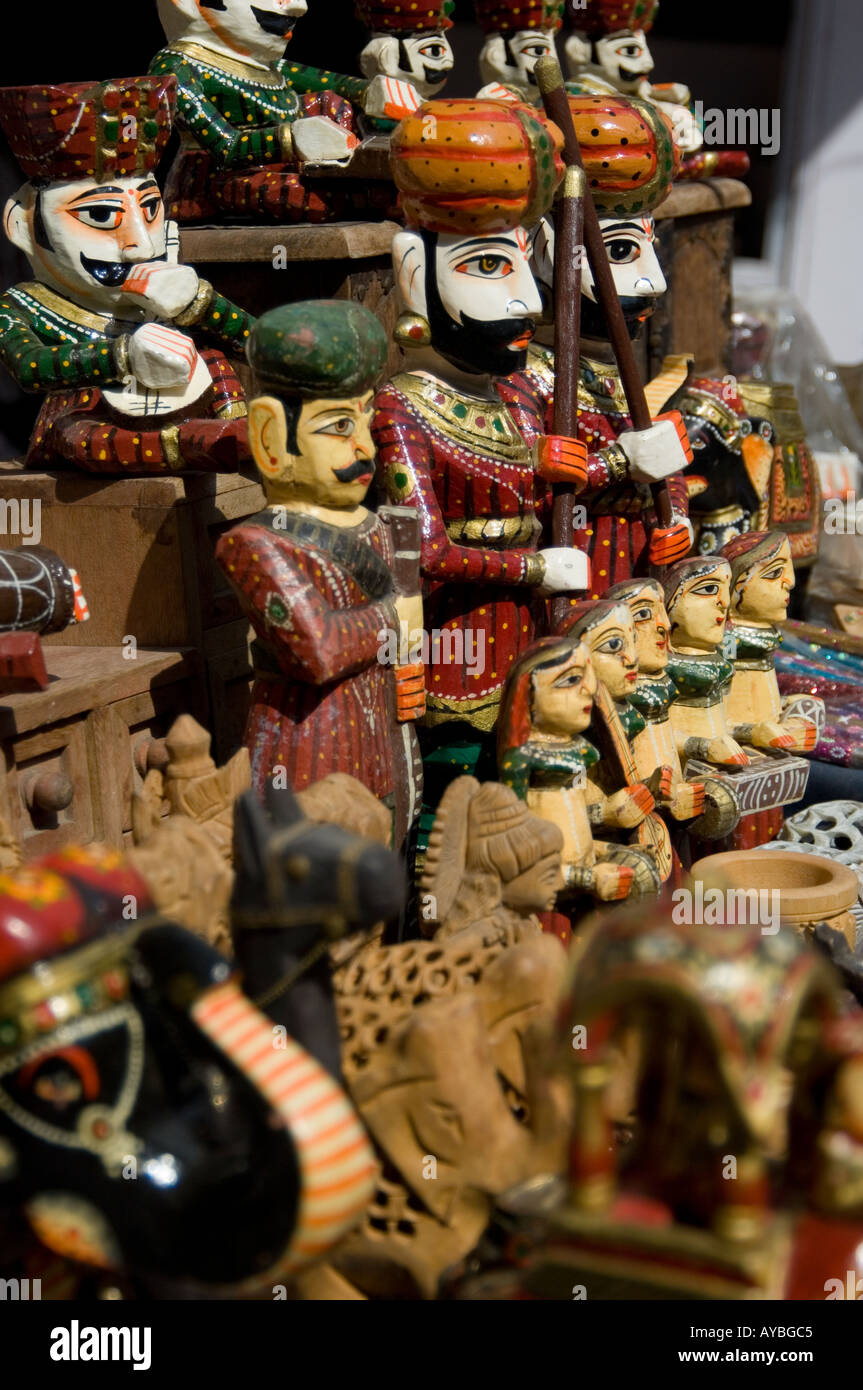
<point>261,135</point>
<point>446,444</point>
<point>764,779</point>
<point>607,52</point>
<point>328,586</point>
<point>133,349</point>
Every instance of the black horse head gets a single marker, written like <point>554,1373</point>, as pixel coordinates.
<point>300,885</point>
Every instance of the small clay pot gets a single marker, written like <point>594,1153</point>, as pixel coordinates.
<point>811,887</point>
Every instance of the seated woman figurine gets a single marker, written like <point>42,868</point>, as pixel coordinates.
<point>697,597</point>
<point>762,577</point>
<point>544,757</point>
<point>619,800</point>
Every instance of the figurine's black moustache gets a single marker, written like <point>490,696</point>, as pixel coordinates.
<point>279,24</point>
<point>351,471</point>
<point>113,274</point>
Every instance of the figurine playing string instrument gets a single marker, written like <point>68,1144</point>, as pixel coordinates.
<point>517,35</point>
<point>708,803</point>
<point>629,157</point>
<point>322,579</point>
<point>246,131</point>
<point>618,799</point>
<point>607,52</point>
<point>109,323</point>
<point>724,446</point>
<point>762,577</point>
<point>446,445</point>
<point>546,759</point>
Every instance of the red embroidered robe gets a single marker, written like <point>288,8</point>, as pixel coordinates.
<point>317,597</point>
<point>462,463</point>
<point>620,513</point>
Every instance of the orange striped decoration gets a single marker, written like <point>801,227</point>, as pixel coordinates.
<point>628,151</point>
<point>475,165</point>
<point>337,1164</point>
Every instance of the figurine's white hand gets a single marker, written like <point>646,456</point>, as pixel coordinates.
<point>654,453</point>
<point>565,569</point>
<point>390,97</point>
<point>160,356</point>
<point>318,140</point>
<point>166,289</point>
<point>409,611</point>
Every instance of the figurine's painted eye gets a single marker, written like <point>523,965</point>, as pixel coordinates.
<point>629,50</point>
<point>571,678</point>
<point>343,427</point>
<point>611,645</point>
<point>775,573</point>
<point>105,216</point>
<point>622,250</point>
<point>535,50</point>
<point>490,266</point>
<point>709,589</point>
<point>432,50</point>
<point>151,207</point>
<point>642,615</point>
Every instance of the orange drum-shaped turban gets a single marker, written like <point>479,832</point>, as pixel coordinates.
<point>628,151</point>
<point>476,166</point>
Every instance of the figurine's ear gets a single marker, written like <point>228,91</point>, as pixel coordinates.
<point>268,432</point>
<point>381,54</point>
<point>492,58</point>
<point>409,262</point>
<point>17,221</point>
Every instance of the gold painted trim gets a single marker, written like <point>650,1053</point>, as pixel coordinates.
<point>220,62</point>
<point>480,439</point>
<point>194,312</point>
<point>61,974</point>
<point>65,308</point>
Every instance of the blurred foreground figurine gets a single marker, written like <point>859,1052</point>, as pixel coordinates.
<point>740,1171</point>
<point>108,325</point>
<point>246,131</point>
<point>331,589</point>
<point>141,1092</point>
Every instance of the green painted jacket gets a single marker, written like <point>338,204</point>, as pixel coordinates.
<point>48,342</point>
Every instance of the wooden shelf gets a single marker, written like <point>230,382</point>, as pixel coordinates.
<point>333,241</point>
<point>702,196</point>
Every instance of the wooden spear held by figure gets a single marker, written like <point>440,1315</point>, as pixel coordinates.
<point>567,296</point>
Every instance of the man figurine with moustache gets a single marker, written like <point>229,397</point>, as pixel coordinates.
<point>109,323</point>
<point>247,130</point>
<point>630,157</point>
<point>317,573</point>
<point>446,444</point>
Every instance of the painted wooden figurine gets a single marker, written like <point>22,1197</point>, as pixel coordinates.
<point>322,579</point>
<point>741,1175</point>
<point>408,54</point>
<point>109,324</point>
<point>762,577</point>
<point>725,446</point>
<point>247,132</point>
<point>619,801</point>
<point>546,759</point>
<point>630,158</point>
<point>516,37</point>
<point>132,1063</point>
<point>39,593</point>
<point>473,174</point>
<point>697,600</point>
<point>708,803</point>
<point>607,52</point>
<point>490,864</point>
